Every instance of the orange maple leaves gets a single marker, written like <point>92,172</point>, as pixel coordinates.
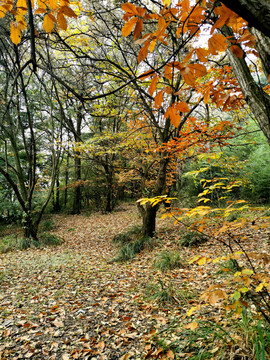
<point>55,12</point>
<point>186,20</point>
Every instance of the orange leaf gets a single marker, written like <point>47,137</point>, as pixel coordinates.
<point>40,11</point>
<point>199,70</point>
<point>53,4</point>
<point>143,52</point>
<point>189,55</point>
<point>15,33</point>
<point>153,85</point>
<point>67,11</point>
<point>182,107</point>
<point>48,23</point>
<point>138,29</point>
<point>185,5</point>
<point>206,95</point>
<point>61,21</point>
<point>173,115</point>
<point>127,28</point>
<point>168,72</point>
<point>158,99</point>
<point>202,54</point>
<point>237,51</point>
<point>216,295</point>
<point>217,42</point>
<point>129,8</point>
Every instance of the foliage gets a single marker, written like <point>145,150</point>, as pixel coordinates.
<point>203,339</point>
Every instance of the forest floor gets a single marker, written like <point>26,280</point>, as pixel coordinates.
<point>73,302</point>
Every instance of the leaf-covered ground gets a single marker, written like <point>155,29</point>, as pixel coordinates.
<point>72,302</point>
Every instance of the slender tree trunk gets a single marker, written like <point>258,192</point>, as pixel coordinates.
<point>77,200</point>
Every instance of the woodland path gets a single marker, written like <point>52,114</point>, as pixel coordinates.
<point>70,302</point>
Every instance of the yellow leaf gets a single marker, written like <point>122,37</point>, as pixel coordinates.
<point>202,261</point>
<point>48,23</point>
<point>15,33</point>
<point>259,287</point>
<point>128,27</point>
<point>2,12</point>
<point>22,6</point>
<point>247,272</point>
<point>41,4</point>
<point>53,4</point>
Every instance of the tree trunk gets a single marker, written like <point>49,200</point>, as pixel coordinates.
<point>149,212</point>
<point>77,200</point>
<point>77,191</point>
<point>30,228</point>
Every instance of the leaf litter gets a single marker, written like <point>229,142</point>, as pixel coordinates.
<point>73,302</point>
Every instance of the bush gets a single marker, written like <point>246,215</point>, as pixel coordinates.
<point>193,238</point>
<point>168,260</point>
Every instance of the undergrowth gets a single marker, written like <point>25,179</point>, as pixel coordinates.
<point>235,339</point>
<point>13,242</point>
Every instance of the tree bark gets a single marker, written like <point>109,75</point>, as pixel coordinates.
<point>149,212</point>
<point>255,12</point>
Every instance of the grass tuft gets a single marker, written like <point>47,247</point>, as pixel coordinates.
<point>169,260</point>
